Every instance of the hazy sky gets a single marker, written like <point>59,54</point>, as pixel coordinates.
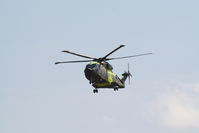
<point>37,96</point>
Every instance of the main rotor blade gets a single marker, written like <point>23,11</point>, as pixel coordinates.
<point>84,56</point>
<point>112,52</point>
<point>73,61</point>
<point>127,56</point>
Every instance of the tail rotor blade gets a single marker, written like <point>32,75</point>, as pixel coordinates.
<point>129,75</point>
<point>128,67</point>
<point>129,81</point>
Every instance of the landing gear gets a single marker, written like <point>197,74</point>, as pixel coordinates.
<point>116,88</point>
<point>95,91</point>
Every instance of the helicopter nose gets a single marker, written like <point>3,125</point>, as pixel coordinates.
<point>91,72</point>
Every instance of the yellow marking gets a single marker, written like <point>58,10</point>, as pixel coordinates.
<point>106,84</point>
<point>110,76</point>
<point>110,79</point>
<point>93,62</point>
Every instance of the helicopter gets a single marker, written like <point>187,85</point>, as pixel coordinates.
<point>100,73</point>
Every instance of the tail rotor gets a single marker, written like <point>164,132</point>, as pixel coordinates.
<point>129,75</point>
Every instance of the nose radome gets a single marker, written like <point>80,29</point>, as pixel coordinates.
<point>90,72</point>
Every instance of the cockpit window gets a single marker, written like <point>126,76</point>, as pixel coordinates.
<point>95,66</point>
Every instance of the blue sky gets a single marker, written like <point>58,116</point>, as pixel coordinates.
<point>38,96</point>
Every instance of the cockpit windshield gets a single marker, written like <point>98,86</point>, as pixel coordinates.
<point>93,66</point>
<point>108,66</point>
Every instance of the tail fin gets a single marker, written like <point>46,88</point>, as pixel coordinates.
<point>125,75</point>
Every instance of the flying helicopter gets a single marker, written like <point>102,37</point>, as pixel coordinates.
<point>100,73</point>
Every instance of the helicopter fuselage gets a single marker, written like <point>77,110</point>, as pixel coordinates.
<point>100,75</point>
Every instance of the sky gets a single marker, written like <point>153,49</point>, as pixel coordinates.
<point>38,96</point>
